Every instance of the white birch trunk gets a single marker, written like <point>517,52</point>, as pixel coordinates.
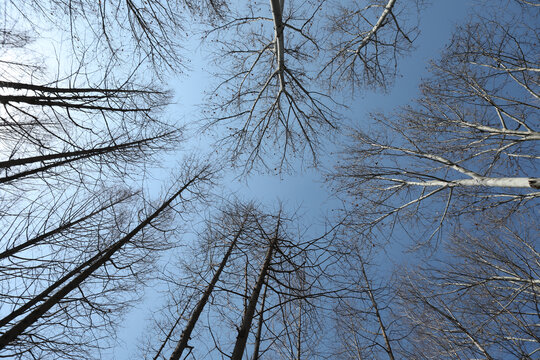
<point>506,182</point>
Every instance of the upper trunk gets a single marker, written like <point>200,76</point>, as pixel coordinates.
<point>243,331</point>
<point>186,334</point>
<point>508,182</point>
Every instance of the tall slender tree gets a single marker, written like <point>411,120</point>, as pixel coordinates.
<point>78,132</point>
<point>106,263</point>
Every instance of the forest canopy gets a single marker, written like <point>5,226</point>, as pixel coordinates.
<point>115,197</point>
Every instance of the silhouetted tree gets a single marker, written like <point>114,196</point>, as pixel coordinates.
<point>76,140</point>
<point>261,289</point>
<point>98,280</point>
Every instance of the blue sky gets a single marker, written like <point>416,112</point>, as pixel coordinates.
<point>304,189</point>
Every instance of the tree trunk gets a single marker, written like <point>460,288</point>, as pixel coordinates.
<point>388,348</point>
<point>68,158</point>
<point>257,346</point>
<point>277,13</point>
<point>186,334</point>
<point>379,24</point>
<point>243,331</point>
<point>80,153</point>
<point>35,315</point>
<point>507,182</point>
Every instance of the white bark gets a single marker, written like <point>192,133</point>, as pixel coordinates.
<point>377,26</point>
<point>506,182</point>
<point>474,179</point>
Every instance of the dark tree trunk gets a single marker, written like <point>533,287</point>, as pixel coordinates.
<point>186,334</point>
<point>243,331</point>
<point>100,260</point>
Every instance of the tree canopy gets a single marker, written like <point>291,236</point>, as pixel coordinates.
<point>431,253</point>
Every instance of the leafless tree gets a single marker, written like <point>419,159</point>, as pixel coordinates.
<point>256,295</point>
<point>363,326</point>
<point>234,222</point>
<point>78,235</point>
<point>48,319</point>
<point>193,287</point>
<point>273,57</point>
<point>68,153</point>
<point>366,41</point>
<point>267,98</point>
<point>465,153</point>
<point>362,329</point>
<point>479,299</point>
<point>122,33</point>
<point>468,144</point>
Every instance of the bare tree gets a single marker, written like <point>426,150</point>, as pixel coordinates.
<point>364,326</point>
<point>366,41</point>
<point>192,287</point>
<point>68,155</point>
<point>465,153</point>
<point>273,57</point>
<point>147,33</point>
<point>256,295</point>
<point>238,229</point>
<point>96,278</point>
<point>468,144</point>
<point>78,236</point>
<point>267,98</point>
<point>478,299</point>
<point>214,272</point>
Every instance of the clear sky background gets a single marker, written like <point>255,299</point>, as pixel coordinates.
<point>305,189</point>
